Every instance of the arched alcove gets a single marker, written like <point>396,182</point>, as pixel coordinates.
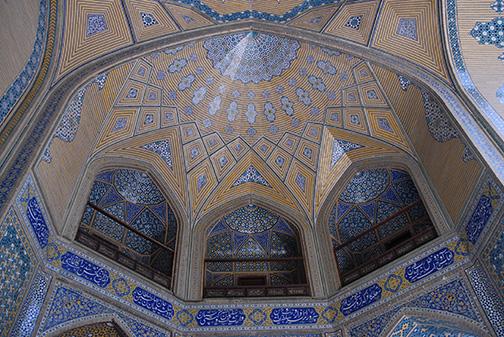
<point>128,219</point>
<point>253,252</point>
<point>196,251</point>
<point>378,217</point>
<point>96,329</point>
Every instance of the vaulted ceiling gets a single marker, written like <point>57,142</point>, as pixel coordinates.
<point>222,110</point>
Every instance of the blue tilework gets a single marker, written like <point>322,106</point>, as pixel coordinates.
<point>161,148</point>
<point>354,22</point>
<point>496,257</point>
<point>365,185</point>
<point>462,72</point>
<point>294,316</point>
<point>133,197</point>
<point>498,6</point>
<point>37,222</point>
<point>340,147</point>
<point>15,268</point>
<point>16,89</point>
<point>490,33</point>
<point>361,299</point>
<point>251,175</point>
<point>148,19</point>
<point>452,297</point>
<point>489,298</point>
<point>372,197</point>
<point>251,219</point>
<point>68,305</point>
<point>407,27</point>
<point>251,57</point>
<point>32,306</point>
<point>153,303</point>
<point>85,269</point>
<point>417,327</point>
<point>251,232</point>
<point>220,317</point>
<point>489,202</point>
<point>429,265</point>
<point>96,23</point>
<point>203,8</point>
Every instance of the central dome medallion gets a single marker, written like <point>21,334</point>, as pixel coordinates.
<point>251,57</point>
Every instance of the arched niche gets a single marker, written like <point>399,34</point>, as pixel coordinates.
<point>80,205</point>
<point>433,206</point>
<point>297,220</point>
<point>101,325</point>
<point>421,322</point>
<point>253,252</point>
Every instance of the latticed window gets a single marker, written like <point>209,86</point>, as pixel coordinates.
<point>377,218</point>
<point>128,219</point>
<point>254,252</point>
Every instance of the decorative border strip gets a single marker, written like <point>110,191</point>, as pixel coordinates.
<point>24,79</point>
<point>489,298</point>
<point>461,71</point>
<point>203,8</point>
<point>133,292</point>
<point>32,306</point>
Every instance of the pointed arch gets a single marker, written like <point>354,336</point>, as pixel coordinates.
<point>434,207</point>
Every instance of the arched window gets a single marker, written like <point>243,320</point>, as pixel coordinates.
<point>254,252</point>
<point>377,218</point>
<point>128,219</point>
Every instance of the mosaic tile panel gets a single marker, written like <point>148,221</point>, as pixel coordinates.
<point>251,57</point>
<point>32,306</point>
<point>453,297</point>
<point>488,297</point>
<point>418,327</point>
<point>462,71</point>
<point>16,265</point>
<point>488,203</point>
<point>68,305</point>
<point>294,316</point>
<point>216,317</point>
<point>228,12</point>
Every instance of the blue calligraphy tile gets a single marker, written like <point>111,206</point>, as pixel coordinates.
<point>85,269</point>
<point>152,303</point>
<point>361,299</point>
<point>293,316</point>
<point>429,265</point>
<point>220,317</point>
<point>37,221</point>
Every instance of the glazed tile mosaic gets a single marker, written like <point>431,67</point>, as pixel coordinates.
<point>17,264</point>
<point>170,312</point>
<point>256,113</point>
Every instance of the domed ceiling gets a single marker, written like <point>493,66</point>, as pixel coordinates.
<point>247,113</point>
